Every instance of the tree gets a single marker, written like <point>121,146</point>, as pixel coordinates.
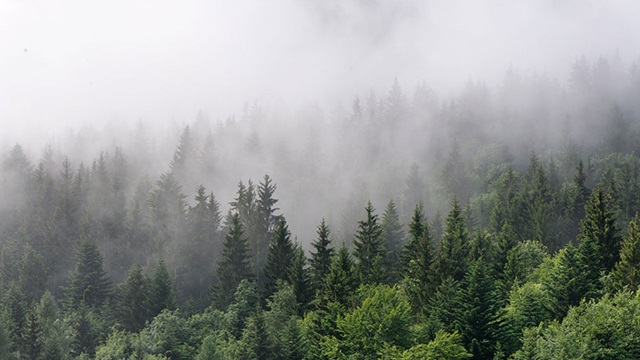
<point>266,220</point>
<point>393,236</point>
<point>134,299</point>
<point>321,259</point>
<point>341,281</point>
<point>454,247</point>
<point>598,241</point>
<point>234,266</point>
<point>300,279</point>
<point>417,261</point>
<point>626,272</point>
<point>88,283</point>
<point>280,257</point>
<point>32,339</point>
<point>369,250</point>
<point>162,295</point>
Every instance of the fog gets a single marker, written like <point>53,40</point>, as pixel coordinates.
<point>340,102</point>
<point>70,63</point>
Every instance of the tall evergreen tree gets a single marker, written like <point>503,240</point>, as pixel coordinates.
<point>417,261</point>
<point>134,299</point>
<point>88,283</point>
<point>453,253</point>
<point>626,273</point>
<point>394,239</point>
<point>162,295</point>
<point>266,220</point>
<point>234,266</point>
<point>300,279</point>
<point>280,257</point>
<point>341,281</point>
<point>369,249</point>
<point>598,241</point>
<point>321,259</point>
<point>32,338</point>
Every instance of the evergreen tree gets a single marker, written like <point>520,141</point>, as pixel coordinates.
<point>15,308</point>
<point>280,257</point>
<point>321,259</point>
<point>32,339</point>
<point>33,274</point>
<point>417,260</point>
<point>341,281</point>
<point>599,241</point>
<point>454,247</point>
<point>134,299</point>
<point>393,235</point>
<point>626,273</point>
<point>300,279</point>
<point>265,222</point>
<point>369,249</point>
<point>88,283</point>
<point>234,266</point>
<point>162,295</point>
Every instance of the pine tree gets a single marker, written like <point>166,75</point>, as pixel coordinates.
<point>369,249</point>
<point>162,295</point>
<point>626,273</point>
<point>280,257</point>
<point>300,279</point>
<point>341,281</point>
<point>454,247</point>
<point>32,339</point>
<point>88,282</point>
<point>417,261</point>
<point>266,220</point>
<point>15,307</point>
<point>599,242</point>
<point>393,236</point>
<point>321,259</point>
<point>234,266</point>
<point>134,299</point>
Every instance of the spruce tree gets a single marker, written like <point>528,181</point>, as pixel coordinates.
<point>32,338</point>
<point>626,273</point>
<point>300,279</point>
<point>393,240</point>
<point>369,249</point>
<point>280,257</point>
<point>134,299</point>
<point>234,266</point>
<point>321,259</point>
<point>454,247</point>
<point>341,281</point>
<point>162,295</point>
<point>598,241</point>
<point>417,261</point>
<point>88,282</point>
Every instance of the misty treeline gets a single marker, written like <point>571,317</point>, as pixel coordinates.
<point>498,223</point>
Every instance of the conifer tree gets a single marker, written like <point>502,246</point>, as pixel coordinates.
<point>88,282</point>
<point>454,247</point>
<point>265,220</point>
<point>300,279</point>
<point>599,241</point>
<point>280,257</point>
<point>417,261</point>
<point>134,299</point>
<point>369,249</point>
<point>235,265</point>
<point>162,295</point>
<point>626,273</point>
<point>393,240</point>
<point>341,281</point>
<point>32,339</point>
<point>15,307</point>
<point>321,259</point>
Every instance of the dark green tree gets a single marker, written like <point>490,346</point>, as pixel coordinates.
<point>341,281</point>
<point>320,262</point>
<point>417,261</point>
<point>453,253</point>
<point>162,295</point>
<point>88,283</point>
<point>280,257</point>
<point>369,249</point>
<point>32,338</point>
<point>393,240</point>
<point>300,279</point>
<point>134,299</point>
<point>234,266</point>
<point>626,273</point>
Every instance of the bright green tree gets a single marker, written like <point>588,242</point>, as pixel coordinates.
<point>626,273</point>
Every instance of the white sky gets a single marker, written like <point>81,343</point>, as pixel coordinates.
<point>68,63</point>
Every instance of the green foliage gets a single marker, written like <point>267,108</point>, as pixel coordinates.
<point>452,258</point>
<point>134,300</point>
<point>443,346</point>
<point>280,257</point>
<point>626,272</point>
<point>417,260</point>
<point>606,329</point>
<point>300,280</point>
<point>320,262</point>
<point>234,266</point>
<point>369,251</point>
<point>169,335</point>
<point>162,295</point>
<point>88,283</point>
<point>522,262</point>
<point>341,282</point>
<point>393,240</point>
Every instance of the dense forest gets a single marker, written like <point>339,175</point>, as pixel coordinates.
<point>497,223</point>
